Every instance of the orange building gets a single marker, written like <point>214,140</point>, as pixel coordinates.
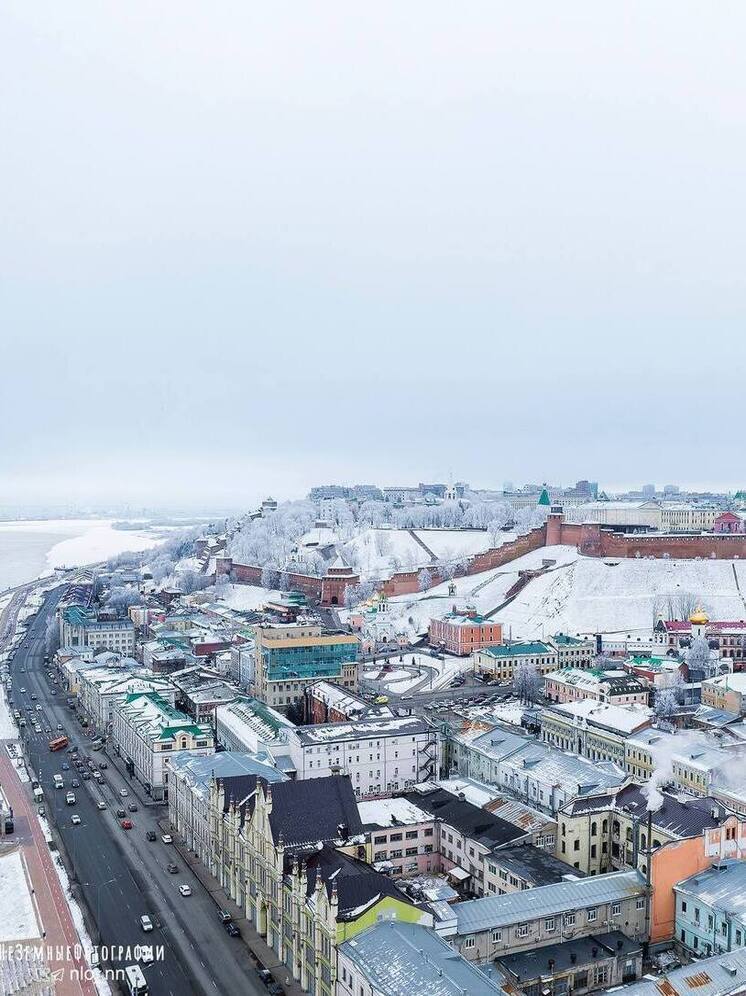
<point>463,631</point>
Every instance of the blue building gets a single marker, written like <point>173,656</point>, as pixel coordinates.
<point>711,909</point>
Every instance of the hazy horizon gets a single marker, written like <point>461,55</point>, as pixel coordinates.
<point>249,250</point>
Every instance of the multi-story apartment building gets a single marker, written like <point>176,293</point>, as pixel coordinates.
<point>728,692</point>
<point>574,651</point>
<point>146,730</point>
<point>462,631</point>
<point>410,957</point>
<point>189,778</point>
<point>79,627</point>
<point>101,690</point>
<point>501,662</point>
<point>593,729</point>
<point>250,725</point>
<point>711,910</point>
<point>570,684</point>
<point>543,776</point>
<point>483,930</point>
<point>290,656</point>
<point>287,854</point>
<point>381,755</point>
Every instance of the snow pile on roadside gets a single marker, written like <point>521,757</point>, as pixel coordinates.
<point>8,729</point>
<point>98,978</point>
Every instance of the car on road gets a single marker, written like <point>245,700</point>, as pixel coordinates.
<point>127,824</point>
<point>185,890</point>
<point>167,838</point>
<point>75,783</point>
<point>121,815</point>
<point>101,804</point>
<point>103,764</point>
<point>224,916</point>
<point>86,776</point>
<point>33,696</point>
<point>65,766</point>
<point>70,798</point>
<point>23,691</point>
<point>124,793</point>
<point>146,954</point>
<point>132,806</point>
<point>232,929</point>
<point>171,868</point>
<point>59,727</point>
<point>37,729</point>
<point>38,707</point>
<point>150,835</point>
<point>146,923</point>
<point>75,820</point>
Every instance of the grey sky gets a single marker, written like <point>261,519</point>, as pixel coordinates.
<point>251,247</point>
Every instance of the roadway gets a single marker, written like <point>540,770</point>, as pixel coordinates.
<point>120,874</point>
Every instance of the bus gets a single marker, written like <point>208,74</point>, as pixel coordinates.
<point>58,743</point>
<point>134,981</point>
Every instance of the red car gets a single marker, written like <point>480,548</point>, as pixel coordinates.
<point>126,824</point>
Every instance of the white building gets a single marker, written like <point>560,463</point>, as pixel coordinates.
<point>100,690</point>
<point>79,627</point>
<point>147,730</point>
<point>248,725</point>
<point>381,756</point>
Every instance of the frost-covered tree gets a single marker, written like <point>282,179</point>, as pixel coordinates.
<point>699,653</point>
<point>51,635</point>
<point>357,593</point>
<point>424,579</point>
<point>666,702</point>
<point>269,578</point>
<point>121,597</point>
<point>527,682</point>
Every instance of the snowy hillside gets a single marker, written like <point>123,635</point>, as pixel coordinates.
<point>379,552</point>
<point>583,594</point>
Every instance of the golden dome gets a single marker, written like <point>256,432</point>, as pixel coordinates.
<point>699,617</point>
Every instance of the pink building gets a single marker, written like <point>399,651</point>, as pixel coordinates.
<point>729,522</point>
<point>463,631</point>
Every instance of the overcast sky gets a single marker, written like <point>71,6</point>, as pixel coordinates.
<point>246,248</point>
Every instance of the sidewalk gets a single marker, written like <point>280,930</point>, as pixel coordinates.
<point>51,902</point>
<point>256,944</point>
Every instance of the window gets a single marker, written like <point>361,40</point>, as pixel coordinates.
<point>594,829</point>
<point>469,943</point>
<point>569,920</point>
<point>576,845</point>
<point>549,924</point>
<point>616,909</point>
<point>683,906</point>
<point>522,931</point>
<point>497,936</point>
<point>640,904</point>
<point>397,836</point>
<point>592,915</point>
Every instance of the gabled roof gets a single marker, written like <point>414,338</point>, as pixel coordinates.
<point>357,885</point>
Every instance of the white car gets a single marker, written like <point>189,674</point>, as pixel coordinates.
<point>101,804</point>
<point>124,793</point>
<point>185,890</point>
<point>146,954</point>
<point>146,923</point>
<point>37,729</point>
<point>167,838</point>
<point>38,707</point>
<point>75,820</point>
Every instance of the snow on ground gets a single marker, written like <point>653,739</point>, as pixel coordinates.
<point>247,597</point>
<point>595,595</point>
<point>415,669</point>
<point>485,591</point>
<point>8,729</point>
<point>379,552</point>
<point>452,544</point>
<point>510,711</point>
<point>18,919</point>
<point>100,541</point>
<point>581,594</point>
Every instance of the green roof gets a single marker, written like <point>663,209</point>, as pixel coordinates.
<point>517,650</point>
<point>565,640</point>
